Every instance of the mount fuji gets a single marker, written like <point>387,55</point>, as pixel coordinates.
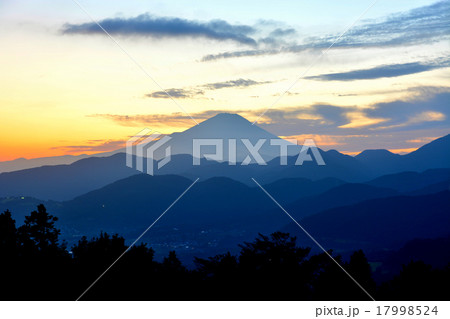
<point>226,127</point>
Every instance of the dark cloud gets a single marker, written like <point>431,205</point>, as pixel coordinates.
<point>238,54</point>
<point>164,27</point>
<point>175,93</point>
<point>421,25</point>
<point>276,38</point>
<point>316,119</point>
<point>199,90</point>
<point>428,110</point>
<point>263,33</point>
<point>279,32</point>
<point>383,71</point>
<point>239,83</point>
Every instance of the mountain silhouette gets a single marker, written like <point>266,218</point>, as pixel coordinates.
<point>380,161</point>
<point>64,182</point>
<point>431,189</point>
<point>412,181</point>
<point>383,223</point>
<point>215,214</point>
<point>289,189</point>
<point>435,154</point>
<point>338,166</point>
<point>432,251</point>
<point>226,127</point>
<point>219,213</point>
<point>127,202</point>
<point>342,195</point>
<point>23,163</point>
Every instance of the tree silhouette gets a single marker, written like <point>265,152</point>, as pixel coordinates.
<point>103,249</point>
<point>172,263</point>
<point>8,235</point>
<point>359,268</point>
<point>35,266</point>
<point>222,267</point>
<point>34,260</point>
<point>269,263</point>
<point>417,281</point>
<point>267,253</point>
<point>39,235</point>
<point>8,254</point>
<point>328,281</point>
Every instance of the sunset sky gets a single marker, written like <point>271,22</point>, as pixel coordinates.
<point>67,88</point>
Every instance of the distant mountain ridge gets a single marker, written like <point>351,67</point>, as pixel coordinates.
<point>218,213</point>
<point>412,181</point>
<point>228,126</point>
<point>64,182</point>
<point>377,224</point>
<point>23,163</point>
<point>346,203</point>
<point>435,154</point>
<point>342,195</point>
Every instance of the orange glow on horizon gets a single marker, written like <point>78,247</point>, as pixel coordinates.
<point>403,150</point>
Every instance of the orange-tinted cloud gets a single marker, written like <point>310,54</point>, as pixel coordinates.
<point>320,140</point>
<point>422,140</point>
<point>359,119</point>
<point>92,146</point>
<point>178,119</point>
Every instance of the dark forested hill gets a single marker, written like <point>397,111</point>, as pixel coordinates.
<point>384,223</point>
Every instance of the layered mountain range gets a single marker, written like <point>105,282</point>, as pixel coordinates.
<point>377,200</point>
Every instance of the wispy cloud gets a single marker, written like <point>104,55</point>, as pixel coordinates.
<point>199,90</point>
<point>383,71</point>
<point>279,32</point>
<point>360,120</point>
<point>147,25</point>
<point>239,83</point>
<point>93,146</point>
<point>427,111</point>
<point>242,53</point>
<point>424,112</point>
<point>177,119</point>
<point>419,25</point>
<point>419,118</point>
<point>425,24</point>
<point>325,140</point>
<point>422,140</point>
<point>175,93</point>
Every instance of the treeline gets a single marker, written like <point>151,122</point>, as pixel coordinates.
<point>35,265</point>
